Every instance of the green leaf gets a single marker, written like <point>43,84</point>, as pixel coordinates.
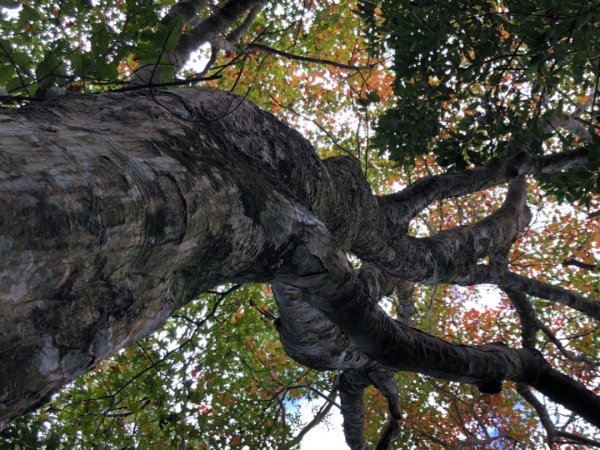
<point>11,4</point>
<point>6,73</point>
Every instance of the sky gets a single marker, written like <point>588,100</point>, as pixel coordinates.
<point>328,435</point>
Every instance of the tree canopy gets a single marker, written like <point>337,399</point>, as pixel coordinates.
<point>469,98</point>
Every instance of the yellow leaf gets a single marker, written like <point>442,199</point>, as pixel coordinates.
<point>433,81</point>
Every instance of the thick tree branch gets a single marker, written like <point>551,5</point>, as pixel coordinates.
<point>569,393</point>
<point>458,249</point>
<point>349,300</point>
<point>229,43</point>
<point>403,206</point>
<point>385,381</point>
<point>573,122</point>
<point>448,256</point>
<point>405,306</point>
<point>452,254</point>
<point>235,35</point>
<point>582,265</point>
<point>530,323</point>
<point>210,28</point>
<point>510,280</point>
<point>352,384</point>
<point>559,162</point>
<point>506,280</point>
<point>310,338</point>
<point>186,9</point>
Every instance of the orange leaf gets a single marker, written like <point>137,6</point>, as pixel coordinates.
<point>235,441</point>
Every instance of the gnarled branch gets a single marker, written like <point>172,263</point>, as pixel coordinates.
<point>403,206</point>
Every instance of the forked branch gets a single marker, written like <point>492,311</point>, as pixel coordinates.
<point>349,299</point>
<point>403,206</point>
<point>352,384</point>
<point>554,435</point>
<point>210,28</point>
<point>548,291</point>
<point>204,31</point>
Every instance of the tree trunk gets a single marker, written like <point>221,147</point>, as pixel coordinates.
<point>119,208</point>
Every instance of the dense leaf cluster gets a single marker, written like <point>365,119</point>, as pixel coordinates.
<point>484,80</point>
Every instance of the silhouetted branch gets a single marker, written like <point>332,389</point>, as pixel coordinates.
<point>582,265</point>
<point>271,50</point>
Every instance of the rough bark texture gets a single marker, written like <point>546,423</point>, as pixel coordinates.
<point>117,209</point>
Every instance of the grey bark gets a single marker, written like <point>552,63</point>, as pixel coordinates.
<point>210,28</point>
<point>511,281</point>
<point>204,30</point>
<point>186,9</point>
<point>118,208</point>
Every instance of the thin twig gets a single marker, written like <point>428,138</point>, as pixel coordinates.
<point>271,50</point>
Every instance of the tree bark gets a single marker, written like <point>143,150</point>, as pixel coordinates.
<point>119,208</point>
